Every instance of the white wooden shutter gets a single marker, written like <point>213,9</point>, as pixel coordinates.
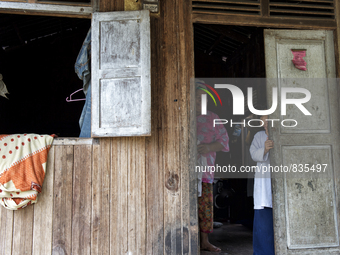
<point>121,90</point>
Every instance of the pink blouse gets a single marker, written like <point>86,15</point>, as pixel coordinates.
<point>207,133</point>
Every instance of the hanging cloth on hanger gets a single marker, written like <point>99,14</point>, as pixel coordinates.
<point>3,88</point>
<point>83,70</point>
<point>74,100</point>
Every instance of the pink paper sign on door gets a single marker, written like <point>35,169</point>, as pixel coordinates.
<point>298,60</point>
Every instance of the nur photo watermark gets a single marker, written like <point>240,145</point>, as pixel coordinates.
<point>267,122</point>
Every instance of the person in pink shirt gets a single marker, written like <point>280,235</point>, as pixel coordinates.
<point>211,139</point>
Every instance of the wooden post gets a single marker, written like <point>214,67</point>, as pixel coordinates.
<point>160,214</point>
<point>111,5</point>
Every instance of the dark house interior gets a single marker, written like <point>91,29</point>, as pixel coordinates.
<point>232,52</point>
<point>37,57</point>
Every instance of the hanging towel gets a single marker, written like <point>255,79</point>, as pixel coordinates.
<point>23,160</point>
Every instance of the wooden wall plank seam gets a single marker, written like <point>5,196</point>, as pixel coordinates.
<point>82,203</point>
<point>123,196</point>
<point>23,231</point>
<point>43,212</point>
<point>6,231</point>
<point>154,145</point>
<point>131,197</point>
<point>101,173</point>
<point>141,199</point>
<point>181,141</point>
<point>172,190</point>
<point>186,73</point>
<point>62,202</point>
<point>114,249</point>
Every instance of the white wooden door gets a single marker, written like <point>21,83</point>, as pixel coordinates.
<point>305,205</point>
<point>121,79</point>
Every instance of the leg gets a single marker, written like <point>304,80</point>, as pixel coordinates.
<point>205,214</point>
<point>263,232</point>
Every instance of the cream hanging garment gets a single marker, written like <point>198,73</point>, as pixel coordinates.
<point>3,88</point>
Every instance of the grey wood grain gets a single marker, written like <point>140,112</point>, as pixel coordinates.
<point>121,79</point>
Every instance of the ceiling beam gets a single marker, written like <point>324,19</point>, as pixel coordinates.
<point>217,41</point>
<point>227,32</point>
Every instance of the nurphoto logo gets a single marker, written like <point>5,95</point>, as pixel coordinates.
<point>239,103</point>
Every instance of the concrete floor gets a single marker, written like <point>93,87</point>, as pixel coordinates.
<point>233,239</point>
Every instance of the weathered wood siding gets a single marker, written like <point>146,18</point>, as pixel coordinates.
<point>171,214</point>
<point>124,195</point>
<point>93,198</point>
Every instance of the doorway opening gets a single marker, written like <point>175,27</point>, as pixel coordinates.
<point>232,52</point>
<point>37,57</point>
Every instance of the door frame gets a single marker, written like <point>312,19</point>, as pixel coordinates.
<point>255,22</point>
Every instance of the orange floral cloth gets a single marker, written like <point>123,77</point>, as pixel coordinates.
<point>205,208</point>
<point>23,160</point>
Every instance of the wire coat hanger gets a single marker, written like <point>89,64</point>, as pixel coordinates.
<point>74,100</point>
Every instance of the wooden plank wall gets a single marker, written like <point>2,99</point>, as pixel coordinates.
<point>171,206</point>
<point>92,202</point>
<point>131,195</point>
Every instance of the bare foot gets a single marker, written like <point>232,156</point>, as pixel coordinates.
<point>209,247</point>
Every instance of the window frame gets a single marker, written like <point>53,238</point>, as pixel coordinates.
<point>57,9</point>
<point>65,11</point>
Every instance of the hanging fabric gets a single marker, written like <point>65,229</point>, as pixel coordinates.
<point>83,70</point>
<point>22,168</point>
<point>3,88</point>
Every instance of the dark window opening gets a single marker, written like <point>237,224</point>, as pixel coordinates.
<point>37,57</point>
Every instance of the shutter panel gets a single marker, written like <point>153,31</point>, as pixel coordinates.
<point>238,7</point>
<point>317,9</point>
<point>305,9</point>
<point>121,90</point>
